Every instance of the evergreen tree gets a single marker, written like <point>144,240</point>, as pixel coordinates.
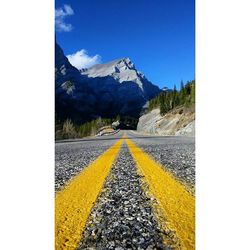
<point>182,85</point>
<point>193,93</point>
<point>169,100</point>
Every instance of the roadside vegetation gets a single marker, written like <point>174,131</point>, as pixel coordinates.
<point>68,129</point>
<point>167,101</point>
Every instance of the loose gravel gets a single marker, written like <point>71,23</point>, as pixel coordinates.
<point>122,217</point>
<point>71,158</point>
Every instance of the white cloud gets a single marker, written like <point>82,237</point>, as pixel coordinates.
<point>81,59</point>
<point>60,15</point>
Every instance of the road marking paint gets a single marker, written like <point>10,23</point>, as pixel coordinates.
<point>74,203</point>
<point>176,203</point>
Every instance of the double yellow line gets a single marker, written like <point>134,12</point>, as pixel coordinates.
<point>73,204</point>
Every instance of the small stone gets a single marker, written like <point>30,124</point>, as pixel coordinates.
<point>130,218</point>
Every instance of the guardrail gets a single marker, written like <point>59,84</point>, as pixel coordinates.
<point>108,133</point>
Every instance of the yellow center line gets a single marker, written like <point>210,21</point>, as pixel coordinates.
<point>177,205</point>
<point>74,203</point>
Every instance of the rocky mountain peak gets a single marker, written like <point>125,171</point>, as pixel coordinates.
<point>122,70</point>
<point>105,89</point>
<point>126,62</point>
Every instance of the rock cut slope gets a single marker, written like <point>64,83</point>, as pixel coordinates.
<point>179,121</point>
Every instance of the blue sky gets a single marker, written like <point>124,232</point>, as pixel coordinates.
<point>157,35</point>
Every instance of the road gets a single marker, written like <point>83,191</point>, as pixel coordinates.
<point>125,191</point>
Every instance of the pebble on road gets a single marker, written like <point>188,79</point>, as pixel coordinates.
<point>123,217</point>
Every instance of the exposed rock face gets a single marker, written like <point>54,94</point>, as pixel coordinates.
<point>73,97</point>
<point>63,69</point>
<point>102,90</point>
<point>123,70</point>
<point>180,121</point>
<point>187,130</point>
<point>120,86</point>
<point>115,124</point>
<point>120,69</point>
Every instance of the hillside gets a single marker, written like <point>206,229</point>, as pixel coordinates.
<point>171,113</point>
<point>179,121</point>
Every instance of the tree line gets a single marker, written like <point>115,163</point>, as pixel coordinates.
<point>168,100</point>
<point>69,129</point>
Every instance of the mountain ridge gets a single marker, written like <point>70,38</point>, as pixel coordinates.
<point>123,70</point>
<point>106,90</point>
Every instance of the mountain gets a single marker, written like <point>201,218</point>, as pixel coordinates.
<point>104,90</point>
<point>120,86</point>
<point>74,98</point>
<point>123,70</point>
<point>166,89</point>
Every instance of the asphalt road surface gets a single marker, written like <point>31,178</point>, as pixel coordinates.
<point>146,199</point>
